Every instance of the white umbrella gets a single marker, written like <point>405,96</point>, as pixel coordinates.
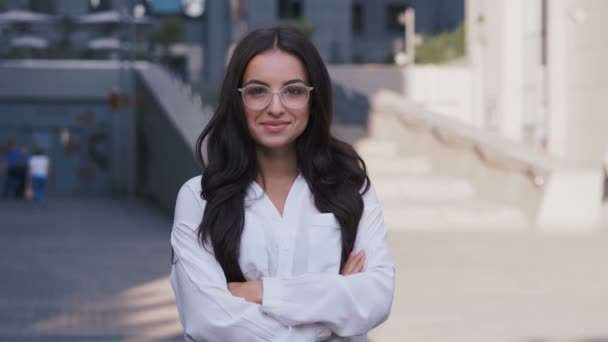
<point>28,41</point>
<point>24,17</point>
<point>110,17</point>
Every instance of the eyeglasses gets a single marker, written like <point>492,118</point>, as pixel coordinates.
<point>292,96</point>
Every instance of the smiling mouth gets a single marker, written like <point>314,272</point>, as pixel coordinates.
<point>275,126</point>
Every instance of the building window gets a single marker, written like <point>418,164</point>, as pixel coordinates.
<point>392,17</point>
<point>43,6</point>
<point>290,9</point>
<point>99,5</point>
<point>358,18</point>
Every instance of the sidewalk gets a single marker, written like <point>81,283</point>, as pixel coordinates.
<point>498,287</point>
<point>85,269</point>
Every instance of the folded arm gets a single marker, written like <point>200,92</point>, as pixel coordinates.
<point>347,305</point>
<point>207,310</point>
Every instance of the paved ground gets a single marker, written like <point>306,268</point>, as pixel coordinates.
<point>499,286</point>
<point>85,269</point>
<point>89,269</point>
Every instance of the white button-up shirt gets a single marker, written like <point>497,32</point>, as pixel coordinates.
<point>297,256</point>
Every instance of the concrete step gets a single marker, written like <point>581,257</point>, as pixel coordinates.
<point>376,148</point>
<point>385,124</point>
<point>398,166</point>
<point>463,215</point>
<point>423,188</point>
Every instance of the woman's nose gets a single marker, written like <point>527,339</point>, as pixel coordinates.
<point>276,106</point>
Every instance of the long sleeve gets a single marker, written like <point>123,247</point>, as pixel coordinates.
<point>348,305</point>
<point>207,310</point>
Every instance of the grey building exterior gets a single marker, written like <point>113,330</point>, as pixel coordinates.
<point>347,31</point>
<point>344,31</point>
<point>63,105</point>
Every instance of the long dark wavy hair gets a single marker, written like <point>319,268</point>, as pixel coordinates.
<point>335,173</point>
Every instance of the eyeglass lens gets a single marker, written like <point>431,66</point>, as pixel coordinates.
<point>292,96</point>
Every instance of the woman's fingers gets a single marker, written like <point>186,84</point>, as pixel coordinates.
<point>354,264</point>
<point>346,266</point>
<point>349,265</point>
<point>360,263</point>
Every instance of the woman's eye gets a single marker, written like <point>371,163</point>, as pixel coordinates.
<point>295,90</point>
<point>257,91</point>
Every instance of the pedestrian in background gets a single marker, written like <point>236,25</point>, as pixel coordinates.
<point>9,163</point>
<point>39,172</point>
<point>21,167</point>
<point>282,238</point>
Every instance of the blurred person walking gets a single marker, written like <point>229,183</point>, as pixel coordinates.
<point>39,172</point>
<point>282,237</point>
<point>9,169</point>
<point>21,167</point>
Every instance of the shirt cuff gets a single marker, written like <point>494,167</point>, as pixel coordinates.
<point>272,294</point>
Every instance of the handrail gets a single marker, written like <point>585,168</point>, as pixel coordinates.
<point>445,131</point>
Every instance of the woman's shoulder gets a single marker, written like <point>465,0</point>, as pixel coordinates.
<point>189,195</point>
<point>191,188</point>
<point>369,194</point>
<point>193,184</point>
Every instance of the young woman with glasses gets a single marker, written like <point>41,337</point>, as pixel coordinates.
<point>282,237</point>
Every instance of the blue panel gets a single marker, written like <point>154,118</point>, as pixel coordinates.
<point>76,137</point>
<point>165,7</point>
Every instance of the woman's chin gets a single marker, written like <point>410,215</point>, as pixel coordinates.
<point>274,144</point>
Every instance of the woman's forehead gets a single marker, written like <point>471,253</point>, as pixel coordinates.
<point>274,67</point>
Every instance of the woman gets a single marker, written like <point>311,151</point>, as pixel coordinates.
<point>282,238</point>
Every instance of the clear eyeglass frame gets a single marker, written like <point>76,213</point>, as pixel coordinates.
<point>271,94</point>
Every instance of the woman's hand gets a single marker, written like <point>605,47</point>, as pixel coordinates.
<point>251,291</point>
<point>354,264</point>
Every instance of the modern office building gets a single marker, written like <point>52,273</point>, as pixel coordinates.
<point>345,31</point>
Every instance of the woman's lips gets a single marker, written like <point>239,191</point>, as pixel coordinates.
<point>274,126</point>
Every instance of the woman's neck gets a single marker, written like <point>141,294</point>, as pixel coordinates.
<point>277,163</point>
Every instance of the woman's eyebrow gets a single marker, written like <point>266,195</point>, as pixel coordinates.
<point>256,82</point>
<point>295,80</point>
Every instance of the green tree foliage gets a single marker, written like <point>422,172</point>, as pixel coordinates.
<point>443,47</point>
<point>169,32</point>
<point>302,25</point>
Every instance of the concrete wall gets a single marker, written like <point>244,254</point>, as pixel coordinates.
<point>578,85</point>
<point>442,89</point>
<point>559,105</point>
<point>564,99</point>
<point>169,124</point>
<point>495,46</point>
<point>165,156</point>
<point>60,80</point>
<point>577,120</point>
<point>76,137</point>
<point>56,94</point>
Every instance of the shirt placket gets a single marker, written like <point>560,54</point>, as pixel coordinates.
<point>286,249</point>
<point>287,231</point>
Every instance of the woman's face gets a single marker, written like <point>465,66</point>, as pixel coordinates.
<point>275,126</point>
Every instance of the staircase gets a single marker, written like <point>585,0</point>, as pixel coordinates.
<point>413,196</point>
